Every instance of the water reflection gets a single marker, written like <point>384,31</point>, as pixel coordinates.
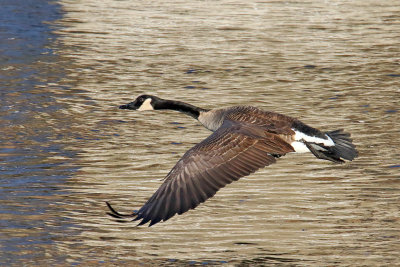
<point>65,147</point>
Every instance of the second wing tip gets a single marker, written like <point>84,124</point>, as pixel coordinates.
<point>116,214</point>
<point>134,215</point>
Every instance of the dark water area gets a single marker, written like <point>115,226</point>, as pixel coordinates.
<point>65,147</point>
<point>33,167</point>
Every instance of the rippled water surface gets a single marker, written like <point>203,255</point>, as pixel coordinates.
<point>65,147</point>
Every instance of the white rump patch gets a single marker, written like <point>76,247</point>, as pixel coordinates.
<point>300,147</point>
<point>146,105</point>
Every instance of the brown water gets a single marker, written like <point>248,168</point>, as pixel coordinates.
<point>66,149</point>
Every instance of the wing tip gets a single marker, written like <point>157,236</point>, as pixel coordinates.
<point>116,214</point>
<point>135,215</point>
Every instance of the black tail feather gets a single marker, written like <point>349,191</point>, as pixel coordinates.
<point>343,148</point>
<point>324,153</point>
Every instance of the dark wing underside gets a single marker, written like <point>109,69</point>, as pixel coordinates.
<point>233,151</point>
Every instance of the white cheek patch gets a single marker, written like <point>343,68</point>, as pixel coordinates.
<point>146,105</point>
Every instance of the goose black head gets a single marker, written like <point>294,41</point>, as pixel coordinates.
<point>143,102</point>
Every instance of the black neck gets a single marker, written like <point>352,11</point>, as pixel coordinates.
<point>188,109</point>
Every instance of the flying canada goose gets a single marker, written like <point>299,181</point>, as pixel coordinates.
<point>244,139</point>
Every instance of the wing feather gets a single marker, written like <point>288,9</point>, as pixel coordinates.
<point>235,150</point>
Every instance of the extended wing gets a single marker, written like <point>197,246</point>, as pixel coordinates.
<point>231,152</point>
